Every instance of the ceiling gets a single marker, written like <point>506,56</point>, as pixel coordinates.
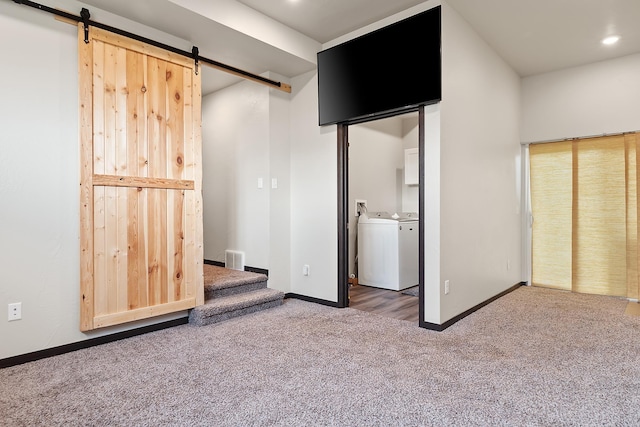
<point>533,36</point>
<point>326,20</point>
<point>538,36</point>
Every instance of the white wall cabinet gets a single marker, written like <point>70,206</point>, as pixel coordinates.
<point>411,166</point>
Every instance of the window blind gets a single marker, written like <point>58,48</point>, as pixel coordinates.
<point>585,210</point>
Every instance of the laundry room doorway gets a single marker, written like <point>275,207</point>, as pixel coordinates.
<point>380,261</point>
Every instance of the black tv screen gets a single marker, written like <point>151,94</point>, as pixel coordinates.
<point>392,68</point>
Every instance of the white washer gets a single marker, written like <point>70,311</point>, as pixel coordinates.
<point>388,250</point>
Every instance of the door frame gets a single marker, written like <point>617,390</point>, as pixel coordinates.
<point>343,204</point>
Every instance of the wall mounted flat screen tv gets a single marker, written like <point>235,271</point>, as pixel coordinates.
<point>389,69</point>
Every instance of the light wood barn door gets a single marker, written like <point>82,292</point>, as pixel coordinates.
<point>141,203</point>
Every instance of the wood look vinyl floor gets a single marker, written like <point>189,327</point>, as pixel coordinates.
<point>384,302</point>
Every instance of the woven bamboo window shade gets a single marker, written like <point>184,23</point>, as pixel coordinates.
<point>584,196</point>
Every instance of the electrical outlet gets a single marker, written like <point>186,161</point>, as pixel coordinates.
<point>359,203</point>
<point>15,311</point>
<point>446,287</point>
<point>508,264</point>
<point>305,270</point>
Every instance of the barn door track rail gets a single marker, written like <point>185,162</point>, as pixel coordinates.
<point>85,19</point>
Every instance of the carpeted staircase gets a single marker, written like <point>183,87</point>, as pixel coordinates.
<point>231,293</point>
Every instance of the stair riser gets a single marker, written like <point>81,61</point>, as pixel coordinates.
<point>220,293</point>
<point>196,319</point>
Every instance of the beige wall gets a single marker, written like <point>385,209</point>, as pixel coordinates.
<point>39,178</point>
<point>480,239</point>
<point>590,100</point>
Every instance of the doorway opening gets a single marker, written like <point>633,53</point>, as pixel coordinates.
<point>374,180</point>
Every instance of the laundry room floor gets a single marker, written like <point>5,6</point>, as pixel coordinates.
<point>384,302</point>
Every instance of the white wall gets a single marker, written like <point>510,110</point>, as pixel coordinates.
<point>431,220</point>
<point>314,194</point>
<point>244,19</point>
<point>235,138</point>
<point>479,161</point>
<point>39,178</point>
<point>376,165</point>
<point>375,156</point>
<point>410,193</point>
<point>594,99</point>
<point>245,130</point>
<point>280,198</point>
<point>407,13</point>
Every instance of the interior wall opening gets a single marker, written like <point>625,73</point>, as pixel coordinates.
<point>383,189</point>
<point>236,176</point>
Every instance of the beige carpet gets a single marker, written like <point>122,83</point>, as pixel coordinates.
<point>222,276</point>
<point>535,357</point>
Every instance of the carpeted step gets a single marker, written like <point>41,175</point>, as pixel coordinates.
<point>221,282</point>
<point>218,309</point>
<point>239,286</point>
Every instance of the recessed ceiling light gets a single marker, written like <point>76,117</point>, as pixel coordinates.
<point>610,40</point>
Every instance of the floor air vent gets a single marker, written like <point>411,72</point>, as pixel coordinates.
<point>234,260</point>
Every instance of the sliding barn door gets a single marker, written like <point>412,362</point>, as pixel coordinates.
<point>141,205</point>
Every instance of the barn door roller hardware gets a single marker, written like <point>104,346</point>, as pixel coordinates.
<point>195,53</point>
<point>85,19</point>
<point>85,15</point>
